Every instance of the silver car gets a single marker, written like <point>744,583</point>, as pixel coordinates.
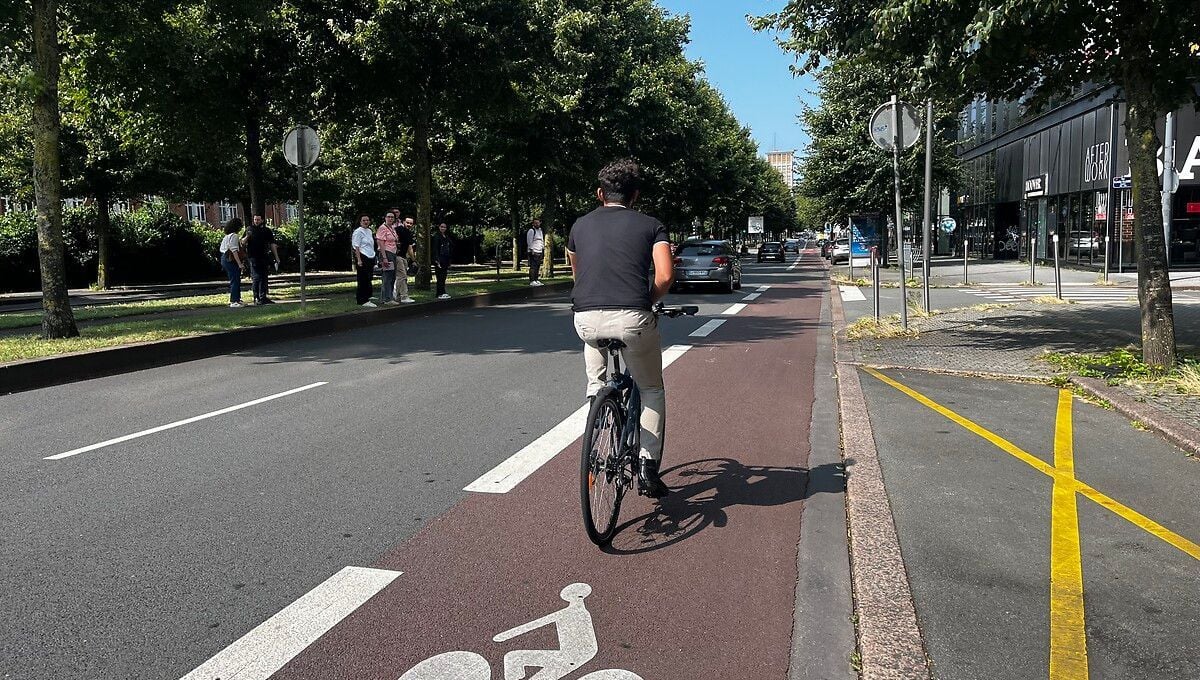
<point>708,262</point>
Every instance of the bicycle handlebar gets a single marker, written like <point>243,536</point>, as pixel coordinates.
<point>672,312</point>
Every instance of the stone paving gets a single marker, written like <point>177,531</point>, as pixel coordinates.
<point>1011,340</point>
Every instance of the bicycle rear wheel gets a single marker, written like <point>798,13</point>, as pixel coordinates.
<point>601,478</point>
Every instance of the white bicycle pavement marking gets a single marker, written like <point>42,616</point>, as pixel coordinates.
<point>851,294</point>
<point>257,655</point>
<point>181,423</point>
<point>507,475</point>
<point>706,329</point>
<point>734,309</point>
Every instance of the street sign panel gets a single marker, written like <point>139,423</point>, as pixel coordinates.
<point>755,226</point>
<point>301,147</point>
<point>880,127</point>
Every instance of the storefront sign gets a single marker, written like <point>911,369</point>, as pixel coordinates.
<point>1095,163</point>
<point>1101,206</point>
<point>1035,186</point>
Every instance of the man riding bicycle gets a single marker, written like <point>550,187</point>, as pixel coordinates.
<point>611,250</point>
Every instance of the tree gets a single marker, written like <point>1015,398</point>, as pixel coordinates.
<point>1013,49</point>
<point>57,319</point>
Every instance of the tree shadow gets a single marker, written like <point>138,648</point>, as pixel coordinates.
<point>711,487</point>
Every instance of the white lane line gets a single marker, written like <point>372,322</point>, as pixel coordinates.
<point>763,289</point>
<point>276,641</point>
<point>507,475</point>
<point>751,297</point>
<point>734,309</point>
<point>180,423</point>
<point>703,331</point>
<point>851,294</point>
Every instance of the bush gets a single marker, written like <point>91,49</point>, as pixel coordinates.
<point>18,252</point>
<point>154,245</point>
<point>326,243</point>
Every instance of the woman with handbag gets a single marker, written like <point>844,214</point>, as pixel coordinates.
<point>385,241</point>
<point>231,260</point>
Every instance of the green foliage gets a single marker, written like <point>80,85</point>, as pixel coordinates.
<point>1120,364</point>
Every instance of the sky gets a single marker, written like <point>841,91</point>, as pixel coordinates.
<point>748,68</point>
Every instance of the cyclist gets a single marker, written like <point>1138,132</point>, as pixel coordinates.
<point>611,250</point>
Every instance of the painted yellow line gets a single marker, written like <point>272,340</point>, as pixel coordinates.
<point>1122,511</point>
<point>1068,636</point>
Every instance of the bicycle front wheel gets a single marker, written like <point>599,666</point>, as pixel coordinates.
<point>601,482</point>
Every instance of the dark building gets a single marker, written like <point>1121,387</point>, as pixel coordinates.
<point>1065,171</point>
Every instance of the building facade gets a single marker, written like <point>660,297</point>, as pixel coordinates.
<point>784,163</point>
<point>1065,172</point>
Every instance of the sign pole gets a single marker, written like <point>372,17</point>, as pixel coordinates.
<point>300,233</point>
<point>927,226</point>
<point>899,218</point>
<point>1170,181</point>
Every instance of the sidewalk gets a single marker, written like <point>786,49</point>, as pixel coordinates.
<point>949,272</point>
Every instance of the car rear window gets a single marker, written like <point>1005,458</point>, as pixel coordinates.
<point>770,246</point>
<point>698,250</point>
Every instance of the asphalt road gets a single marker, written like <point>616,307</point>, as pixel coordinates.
<point>148,556</point>
<point>982,531</point>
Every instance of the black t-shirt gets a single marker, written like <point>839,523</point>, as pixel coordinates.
<point>259,240</point>
<point>613,249</point>
<point>404,239</point>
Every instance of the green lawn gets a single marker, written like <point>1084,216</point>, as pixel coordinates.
<point>209,314</point>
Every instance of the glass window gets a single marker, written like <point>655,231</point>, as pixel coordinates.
<point>196,212</point>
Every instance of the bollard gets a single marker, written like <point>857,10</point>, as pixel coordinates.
<point>1033,260</point>
<point>1106,259</point>
<point>850,257</point>
<point>1057,271</point>
<point>966,256</point>
<point>875,280</point>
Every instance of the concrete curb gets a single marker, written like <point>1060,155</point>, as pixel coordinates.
<point>1172,429</point>
<point>889,639</point>
<point>33,374</point>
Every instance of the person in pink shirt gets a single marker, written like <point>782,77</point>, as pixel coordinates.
<point>385,240</point>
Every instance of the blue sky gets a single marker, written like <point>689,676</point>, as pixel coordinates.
<point>748,68</point>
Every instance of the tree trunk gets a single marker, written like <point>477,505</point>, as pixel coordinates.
<point>103,232</point>
<point>254,163</point>
<point>57,319</point>
<point>514,211</point>
<point>423,166</point>
<point>1154,281</point>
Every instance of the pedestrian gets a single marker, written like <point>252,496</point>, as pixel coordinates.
<point>442,249</point>
<point>363,244</point>
<point>231,260</point>
<point>385,246</point>
<point>535,241</point>
<point>404,256</point>
<point>259,243</point>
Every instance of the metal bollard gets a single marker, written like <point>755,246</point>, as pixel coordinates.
<point>1106,259</point>
<point>966,256</point>
<point>875,281</point>
<point>1057,270</point>
<point>1033,260</point>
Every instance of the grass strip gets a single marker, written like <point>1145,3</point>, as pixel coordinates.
<point>324,300</point>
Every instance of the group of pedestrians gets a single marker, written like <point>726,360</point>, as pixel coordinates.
<point>390,248</point>
<point>253,250</point>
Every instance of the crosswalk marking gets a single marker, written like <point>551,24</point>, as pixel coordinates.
<point>1089,295</point>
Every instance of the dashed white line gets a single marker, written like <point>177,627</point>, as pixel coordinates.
<point>257,655</point>
<point>734,309</point>
<point>751,297</point>
<point>703,331</point>
<point>507,475</point>
<point>180,423</point>
<point>763,289</point>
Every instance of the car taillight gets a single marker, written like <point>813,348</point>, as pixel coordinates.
<point>721,261</point>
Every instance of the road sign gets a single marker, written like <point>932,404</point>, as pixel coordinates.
<point>947,225</point>
<point>301,147</point>
<point>880,127</point>
<point>755,226</point>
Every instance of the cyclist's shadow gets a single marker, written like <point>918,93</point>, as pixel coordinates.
<point>708,487</point>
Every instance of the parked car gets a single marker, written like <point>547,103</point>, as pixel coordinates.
<point>770,250</point>
<point>708,263</point>
<point>791,246</point>
<point>826,246</point>
<point>841,251</point>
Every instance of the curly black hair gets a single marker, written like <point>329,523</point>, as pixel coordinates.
<point>233,226</point>
<point>621,180</point>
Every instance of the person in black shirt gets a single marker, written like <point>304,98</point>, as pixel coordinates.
<point>611,250</point>
<point>404,256</point>
<point>260,245</point>
<point>442,249</point>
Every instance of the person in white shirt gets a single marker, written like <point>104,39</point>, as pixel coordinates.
<point>535,243</point>
<point>231,260</point>
<point>363,244</point>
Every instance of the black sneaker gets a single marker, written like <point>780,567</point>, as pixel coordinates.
<point>266,301</point>
<point>649,481</point>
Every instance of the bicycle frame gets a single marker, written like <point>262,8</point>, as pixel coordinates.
<point>631,402</point>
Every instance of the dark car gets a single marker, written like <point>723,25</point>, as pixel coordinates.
<point>826,248</point>
<point>708,262</point>
<point>791,246</point>
<point>771,250</point>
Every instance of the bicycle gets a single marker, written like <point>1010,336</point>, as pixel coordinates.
<point>612,439</point>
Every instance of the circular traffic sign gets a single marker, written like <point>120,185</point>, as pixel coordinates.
<point>947,224</point>
<point>301,147</point>
<point>880,127</point>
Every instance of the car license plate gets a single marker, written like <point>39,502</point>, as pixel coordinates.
<point>697,272</point>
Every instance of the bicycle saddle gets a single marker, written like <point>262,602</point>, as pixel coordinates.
<point>610,343</point>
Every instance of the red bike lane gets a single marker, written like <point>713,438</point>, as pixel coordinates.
<point>701,585</point>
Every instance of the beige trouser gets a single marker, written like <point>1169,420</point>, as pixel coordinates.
<point>401,288</point>
<point>643,355</point>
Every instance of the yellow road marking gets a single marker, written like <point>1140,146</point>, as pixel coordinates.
<point>1119,509</point>
<point>1068,637</point>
